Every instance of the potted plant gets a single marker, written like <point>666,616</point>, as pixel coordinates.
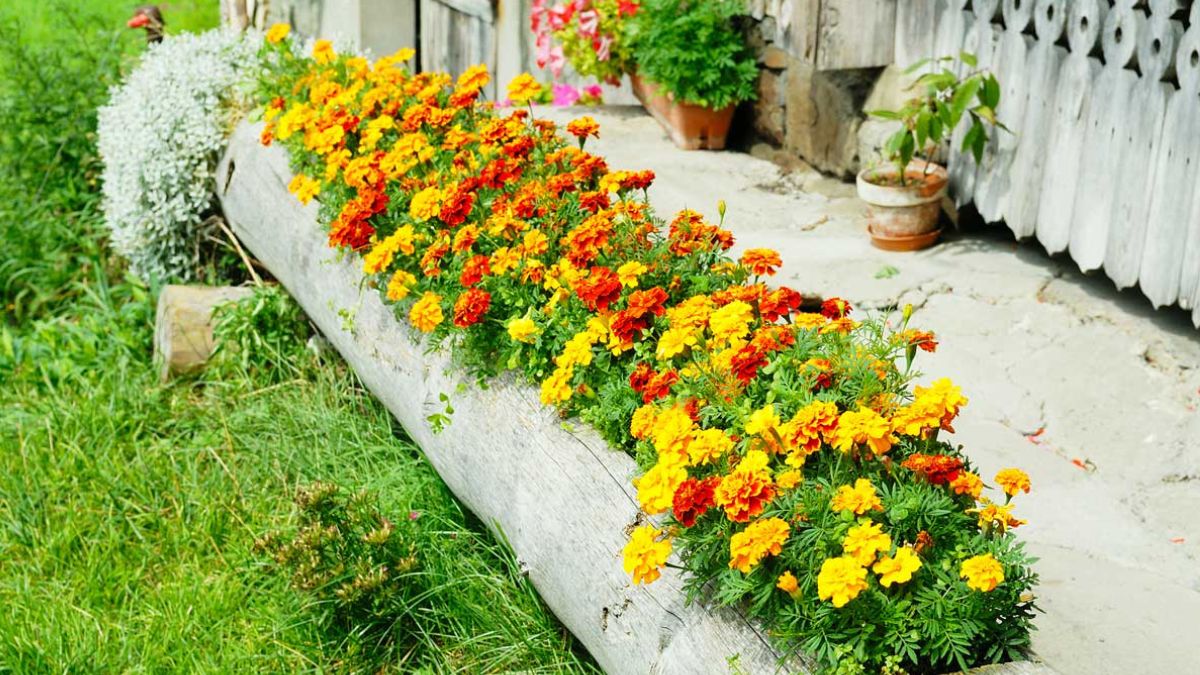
<point>692,67</point>
<point>905,193</point>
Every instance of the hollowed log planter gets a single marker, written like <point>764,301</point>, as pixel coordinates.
<point>556,492</point>
<point>690,127</point>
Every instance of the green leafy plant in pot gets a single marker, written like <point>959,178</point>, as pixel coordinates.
<point>693,67</point>
<point>905,191</point>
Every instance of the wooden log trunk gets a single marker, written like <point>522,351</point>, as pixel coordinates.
<point>554,490</point>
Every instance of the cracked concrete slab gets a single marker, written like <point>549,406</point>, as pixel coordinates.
<point>1089,389</point>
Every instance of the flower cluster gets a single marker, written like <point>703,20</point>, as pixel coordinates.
<point>784,455</point>
<point>587,33</point>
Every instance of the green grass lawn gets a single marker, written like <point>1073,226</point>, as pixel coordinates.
<point>129,509</point>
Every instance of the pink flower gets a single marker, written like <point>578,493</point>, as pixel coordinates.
<point>603,47</point>
<point>589,23</point>
<point>565,94</point>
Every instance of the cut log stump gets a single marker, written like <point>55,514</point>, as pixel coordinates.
<point>554,490</point>
<point>183,326</point>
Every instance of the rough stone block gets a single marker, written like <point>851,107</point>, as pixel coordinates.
<point>183,325</point>
<point>824,113</point>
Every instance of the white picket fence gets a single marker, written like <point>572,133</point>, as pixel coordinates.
<point>1104,100</point>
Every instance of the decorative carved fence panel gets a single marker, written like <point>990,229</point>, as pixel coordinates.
<point>1103,97</point>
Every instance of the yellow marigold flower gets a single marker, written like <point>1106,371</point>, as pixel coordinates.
<point>1013,481</point>
<point>788,584</point>
<point>656,488</point>
<point>863,427</point>
<point>426,204</point>
<point>763,421</point>
<point>380,257</point>
<point>917,418</point>
<point>426,313</point>
<point>809,320</point>
<point>323,52</point>
<point>731,322</point>
<point>577,351</point>
<point>557,388</point>
<point>523,89</point>
<point>673,342</point>
<point>760,539</point>
<point>708,445</point>
<point>643,421</point>
<point>841,580</point>
<point>522,329</point>
<point>967,483</point>
<point>645,555</point>
<point>691,313</point>
<point>897,569</point>
<point>996,517</point>
<point>534,243</point>
<point>475,77</point>
<point>858,499</point>
<point>789,479</point>
<point>864,541</point>
<point>504,259</point>
<point>945,395</point>
<point>278,33</point>
<point>673,432</point>
<point>399,285</point>
<point>982,572</point>
<point>304,188</point>
<point>628,273</point>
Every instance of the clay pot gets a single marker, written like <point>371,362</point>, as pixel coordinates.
<point>691,127</point>
<point>903,217</point>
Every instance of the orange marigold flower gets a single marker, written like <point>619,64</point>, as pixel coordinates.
<point>474,78</point>
<point>1013,481</point>
<point>471,306</point>
<point>937,469</point>
<point>474,270</point>
<point>788,584</point>
<point>862,427</point>
<point>858,499</point>
<point>967,483</point>
<point>835,308</point>
<point>645,554</point>
<point>811,425</point>
<point>745,492</point>
<point>426,313</point>
<point>599,289</point>
<point>920,338</point>
<point>760,539</point>
<point>761,261</point>
<point>583,127</point>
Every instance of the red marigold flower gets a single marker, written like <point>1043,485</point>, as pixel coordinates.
<point>821,370</point>
<point>584,242</point>
<point>640,376</point>
<point>475,269</point>
<point>937,469</point>
<point>471,306</point>
<point>599,289</point>
<point>457,207</point>
<point>519,148</point>
<point>593,201</point>
<point>693,498</point>
<point>746,363</point>
<point>638,180</point>
<point>779,303</point>
<point>659,386</point>
<point>921,338</point>
<point>835,308</point>
<point>649,301</point>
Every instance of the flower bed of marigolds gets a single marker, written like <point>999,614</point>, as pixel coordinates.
<point>790,459</point>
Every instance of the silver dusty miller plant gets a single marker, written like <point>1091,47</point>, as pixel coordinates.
<point>160,137</point>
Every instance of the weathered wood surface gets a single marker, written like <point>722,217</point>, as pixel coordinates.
<point>560,496</point>
<point>856,33</point>
<point>1103,159</point>
<point>453,40</point>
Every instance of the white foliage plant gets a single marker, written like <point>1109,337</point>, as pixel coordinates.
<point>160,137</point>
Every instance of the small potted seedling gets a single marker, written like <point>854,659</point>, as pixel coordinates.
<point>905,191</point>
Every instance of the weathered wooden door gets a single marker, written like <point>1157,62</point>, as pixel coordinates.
<point>457,34</point>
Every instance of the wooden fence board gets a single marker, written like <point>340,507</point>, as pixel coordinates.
<point>994,177</point>
<point>1171,201</point>
<point>1034,137</point>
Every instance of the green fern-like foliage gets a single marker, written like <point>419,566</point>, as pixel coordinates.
<point>693,51</point>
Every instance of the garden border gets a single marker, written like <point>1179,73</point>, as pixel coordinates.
<point>555,491</point>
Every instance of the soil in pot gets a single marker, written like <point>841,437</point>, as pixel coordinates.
<point>691,127</point>
<point>903,216</point>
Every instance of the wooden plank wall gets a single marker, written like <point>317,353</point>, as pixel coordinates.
<point>1103,97</point>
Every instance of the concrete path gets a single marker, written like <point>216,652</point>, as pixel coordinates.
<point>1093,393</point>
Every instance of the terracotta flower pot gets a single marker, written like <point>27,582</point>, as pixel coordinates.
<point>903,217</point>
<point>691,127</point>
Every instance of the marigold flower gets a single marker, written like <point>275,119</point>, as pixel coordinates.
<point>1013,481</point>
<point>557,388</point>
<point>672,433</point>
<point>474,78</point>
<point>708,445</point>
<point>522,329</point>
<point>789,479</point>
<point>788,584</point>
<point>811,425</point>
<point>863,427</point>
<point>937,469</point>
<point>982,572</point>
<point>323,52</point>
<point>760,539</point>
<point>996,517</point>
<point>656,488</point>
<point>858,499</point>
<point>583,127</point>
<point>835,308</point>
<point>471,306</point>
<point>629,272</point>
<point>642,422</point>
<point>761,261</point>
<point>426,204</point>
<point>763,421</point>
<point>304,188</point>
<point>380,257</point>
<point>947,397</point>
<point>967,483</point>
<point>426,313</point>
<point>278,32</point>
<point>745,492</point>
<point>645,554</point>
<point>673,342</point>
<point>898,568</point>
<point>692,499</point>
<point>731,322</point>
<point>523,89</point>
<point>399,285</point>
<point>864,541</point>
<point>841,580</point>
